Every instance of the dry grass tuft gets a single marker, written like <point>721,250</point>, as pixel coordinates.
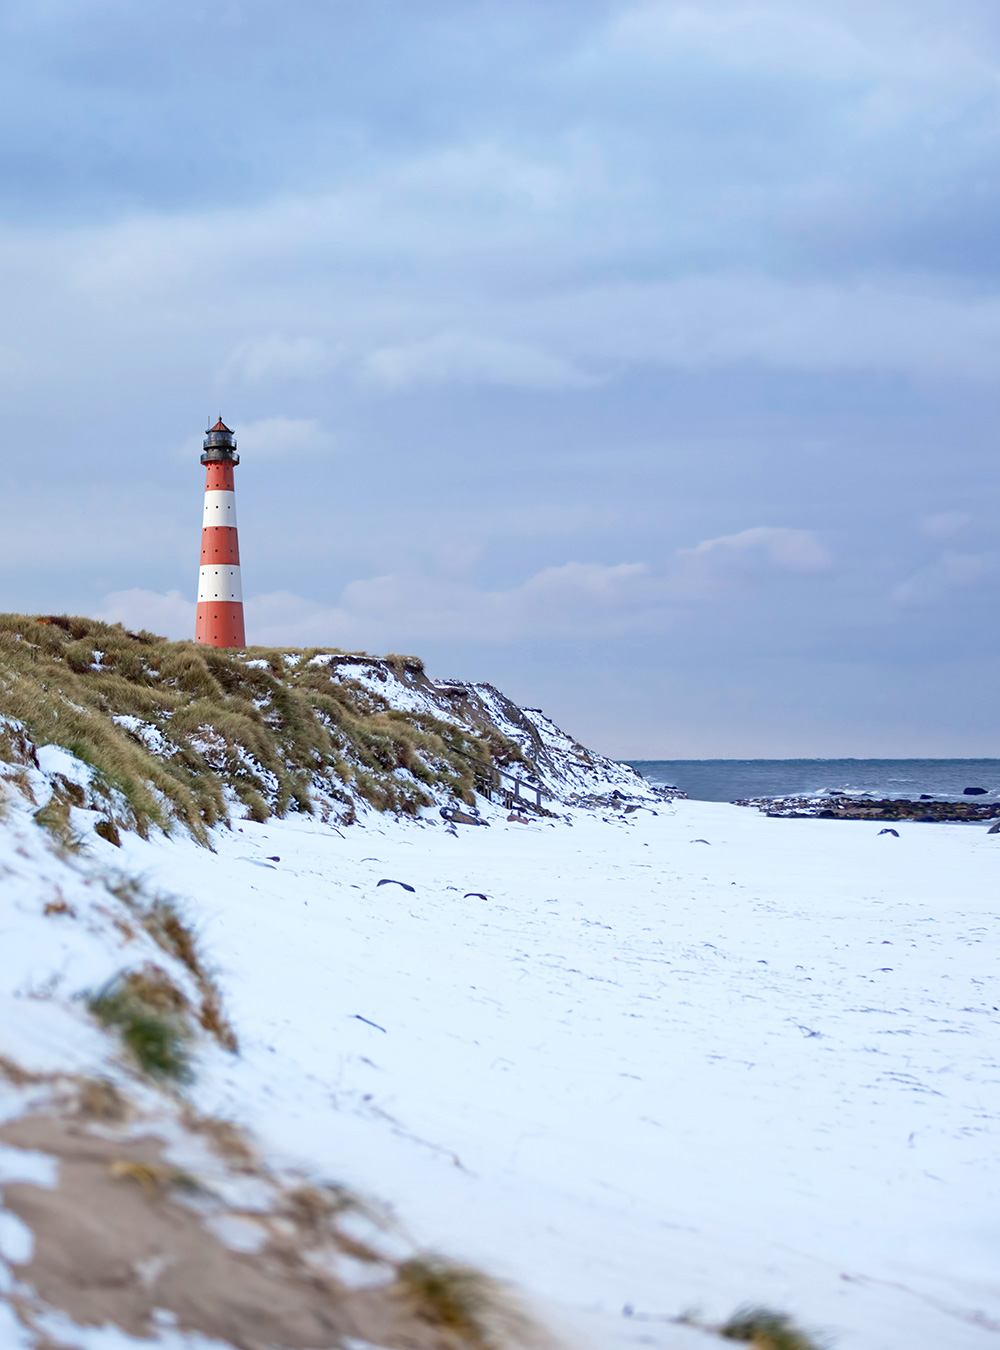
<point>19,779</point>
<point>212,1019</point>
<point>108,830</point>
<point>156,1179</point>
<point>765,1329</point>
<point>315,1209</point>
<point>153,987</point>
<point>178,732</point>
<point>54,817</point>
<point>57,907</point>
<point>163,921</point>
<point>151,1017</point>
<point>474,1309</point>
<point>99,1099</point>
<point>19,1077</point>
<point>226,1139</point>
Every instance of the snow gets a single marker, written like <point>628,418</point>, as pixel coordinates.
<point>237,1231</point>
<point>17,1242</point>
<point>12,1335</point>
<point>696,1058</point>
<point>404,698</point>
<point>53,759</point>
<point>22,1164</point>
<point>647,1070</point>
<point>65,1332</point>
<point>150,736</point>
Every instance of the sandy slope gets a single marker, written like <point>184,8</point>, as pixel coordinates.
<point>644,1071</point>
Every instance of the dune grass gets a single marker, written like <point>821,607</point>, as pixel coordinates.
<point>180,732</point>
<point>464,1303</point>
<point>765,1329</point>
<point>151,1016</point>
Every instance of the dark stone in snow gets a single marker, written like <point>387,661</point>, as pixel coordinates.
<point>456,817</point>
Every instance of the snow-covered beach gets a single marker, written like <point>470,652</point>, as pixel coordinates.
<point>645,1059</point>
<point>635,1064</point>
<point>646,1071</point>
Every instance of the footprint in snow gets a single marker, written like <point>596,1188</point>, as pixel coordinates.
<point>388,881</point>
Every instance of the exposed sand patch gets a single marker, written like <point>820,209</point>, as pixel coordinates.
<point>124,1233</point>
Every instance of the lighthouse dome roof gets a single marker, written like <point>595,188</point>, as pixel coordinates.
<point>220,444</point>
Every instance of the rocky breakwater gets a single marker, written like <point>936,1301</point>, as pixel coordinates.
<point>842,807</point>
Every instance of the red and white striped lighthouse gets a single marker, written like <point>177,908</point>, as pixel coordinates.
<point>220,594</point>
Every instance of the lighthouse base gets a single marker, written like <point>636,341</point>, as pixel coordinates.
<point>220,625</point>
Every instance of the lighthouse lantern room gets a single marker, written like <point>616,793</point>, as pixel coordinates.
<point>220,593</point>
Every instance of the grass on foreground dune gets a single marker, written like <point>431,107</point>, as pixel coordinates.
<point>152,1018</point>
<point>765,1329</point>
<point>178,731</point>
<point>466,1306</point>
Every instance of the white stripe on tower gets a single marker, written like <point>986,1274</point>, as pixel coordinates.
<point>220,509</point>
<point>219,583</point>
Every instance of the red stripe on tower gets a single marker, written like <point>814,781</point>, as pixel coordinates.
<point>220,592</point>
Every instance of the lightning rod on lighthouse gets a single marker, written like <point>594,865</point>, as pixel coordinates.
<point>220,592</point>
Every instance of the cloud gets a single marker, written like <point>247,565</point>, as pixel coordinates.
<point>836,40</point>
<point>713,321</point>
<point>283,436</point>
<point>170,615</point>
<point>796,550</point>
<point>541,519</point>
<point>581,598</point>
<point>266,438</point>
<point>945,525</point>
<point>282,618</point>
<point>480,296</point>
<point>276,357</point>
<point>573,598</point>
<point>737,561</point>
<point>381,611</point>
<point>464,358</point>
<point>768,37</point>
<point>952,571</point>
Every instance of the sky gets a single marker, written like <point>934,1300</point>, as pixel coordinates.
<point>638,358</point>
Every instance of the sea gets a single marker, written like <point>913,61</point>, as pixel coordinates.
<point>726,780</point>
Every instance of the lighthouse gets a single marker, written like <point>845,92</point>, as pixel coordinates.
<point>220,594</point>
